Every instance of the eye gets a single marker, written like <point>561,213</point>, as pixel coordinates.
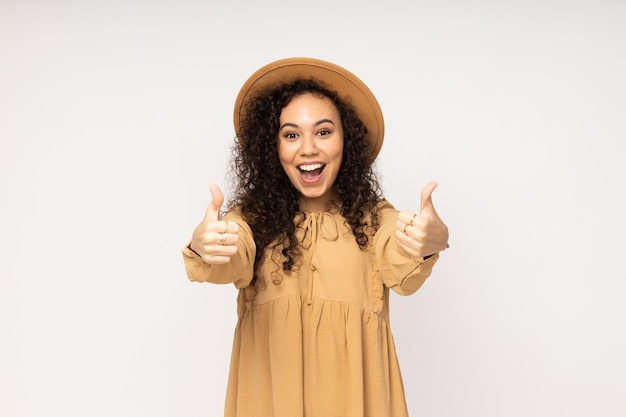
<point>290,135</point>
<point>324,132</point>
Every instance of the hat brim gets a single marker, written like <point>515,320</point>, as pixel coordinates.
<point>347,85</point>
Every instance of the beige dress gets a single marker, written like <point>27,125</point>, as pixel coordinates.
<point>318,344</point>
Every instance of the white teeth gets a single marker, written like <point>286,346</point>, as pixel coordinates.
<point>312,167</point>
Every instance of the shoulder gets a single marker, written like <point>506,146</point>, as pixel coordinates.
<point>234,212</point>
<point>384,205</point>
<point>383,211</point>
<point>384,208</point>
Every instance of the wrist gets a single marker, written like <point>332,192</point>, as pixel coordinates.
<point>191,249</point>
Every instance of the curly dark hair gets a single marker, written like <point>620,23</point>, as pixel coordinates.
<point>269,202</point>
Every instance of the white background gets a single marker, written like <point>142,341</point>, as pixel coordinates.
<point>116,115</point>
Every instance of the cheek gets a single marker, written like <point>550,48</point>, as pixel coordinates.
<point>285,155</point>
<point>339,153</point>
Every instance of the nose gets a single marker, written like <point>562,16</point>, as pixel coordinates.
<point>308,146</point>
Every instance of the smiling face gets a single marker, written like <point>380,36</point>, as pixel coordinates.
<point>310,148</point>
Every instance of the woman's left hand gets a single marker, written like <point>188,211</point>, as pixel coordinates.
<point>425,233</point>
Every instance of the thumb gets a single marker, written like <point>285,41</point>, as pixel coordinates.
<point>426,205</point>
<point>213,210</point>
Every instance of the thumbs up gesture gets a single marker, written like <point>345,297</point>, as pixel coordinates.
<point>215,240</point>
<point>425,233</point>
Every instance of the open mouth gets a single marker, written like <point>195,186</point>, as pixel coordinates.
<point>311,170</point>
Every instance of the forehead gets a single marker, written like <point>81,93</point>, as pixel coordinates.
<point>312,103</point>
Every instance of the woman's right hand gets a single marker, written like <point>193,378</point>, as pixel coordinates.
<point>215,240</point>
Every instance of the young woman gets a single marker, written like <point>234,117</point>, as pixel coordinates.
<point>313,248</point>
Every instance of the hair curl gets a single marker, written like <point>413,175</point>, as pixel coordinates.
<point>269,202</point>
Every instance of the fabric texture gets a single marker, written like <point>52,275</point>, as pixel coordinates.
<point>317,343</point>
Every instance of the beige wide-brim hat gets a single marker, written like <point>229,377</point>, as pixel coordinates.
<point>347,85</point>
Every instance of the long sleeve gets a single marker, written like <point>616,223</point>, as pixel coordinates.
<point>399,271</point>
<point>238,271</point>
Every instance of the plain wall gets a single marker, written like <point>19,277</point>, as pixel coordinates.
<point>116,115</point>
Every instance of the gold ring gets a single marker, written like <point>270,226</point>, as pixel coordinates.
<point>414,216</point>
<point>222,239</point>
<point>405,226</point>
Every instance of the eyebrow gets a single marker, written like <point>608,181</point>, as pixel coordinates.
<point>319,122</point>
